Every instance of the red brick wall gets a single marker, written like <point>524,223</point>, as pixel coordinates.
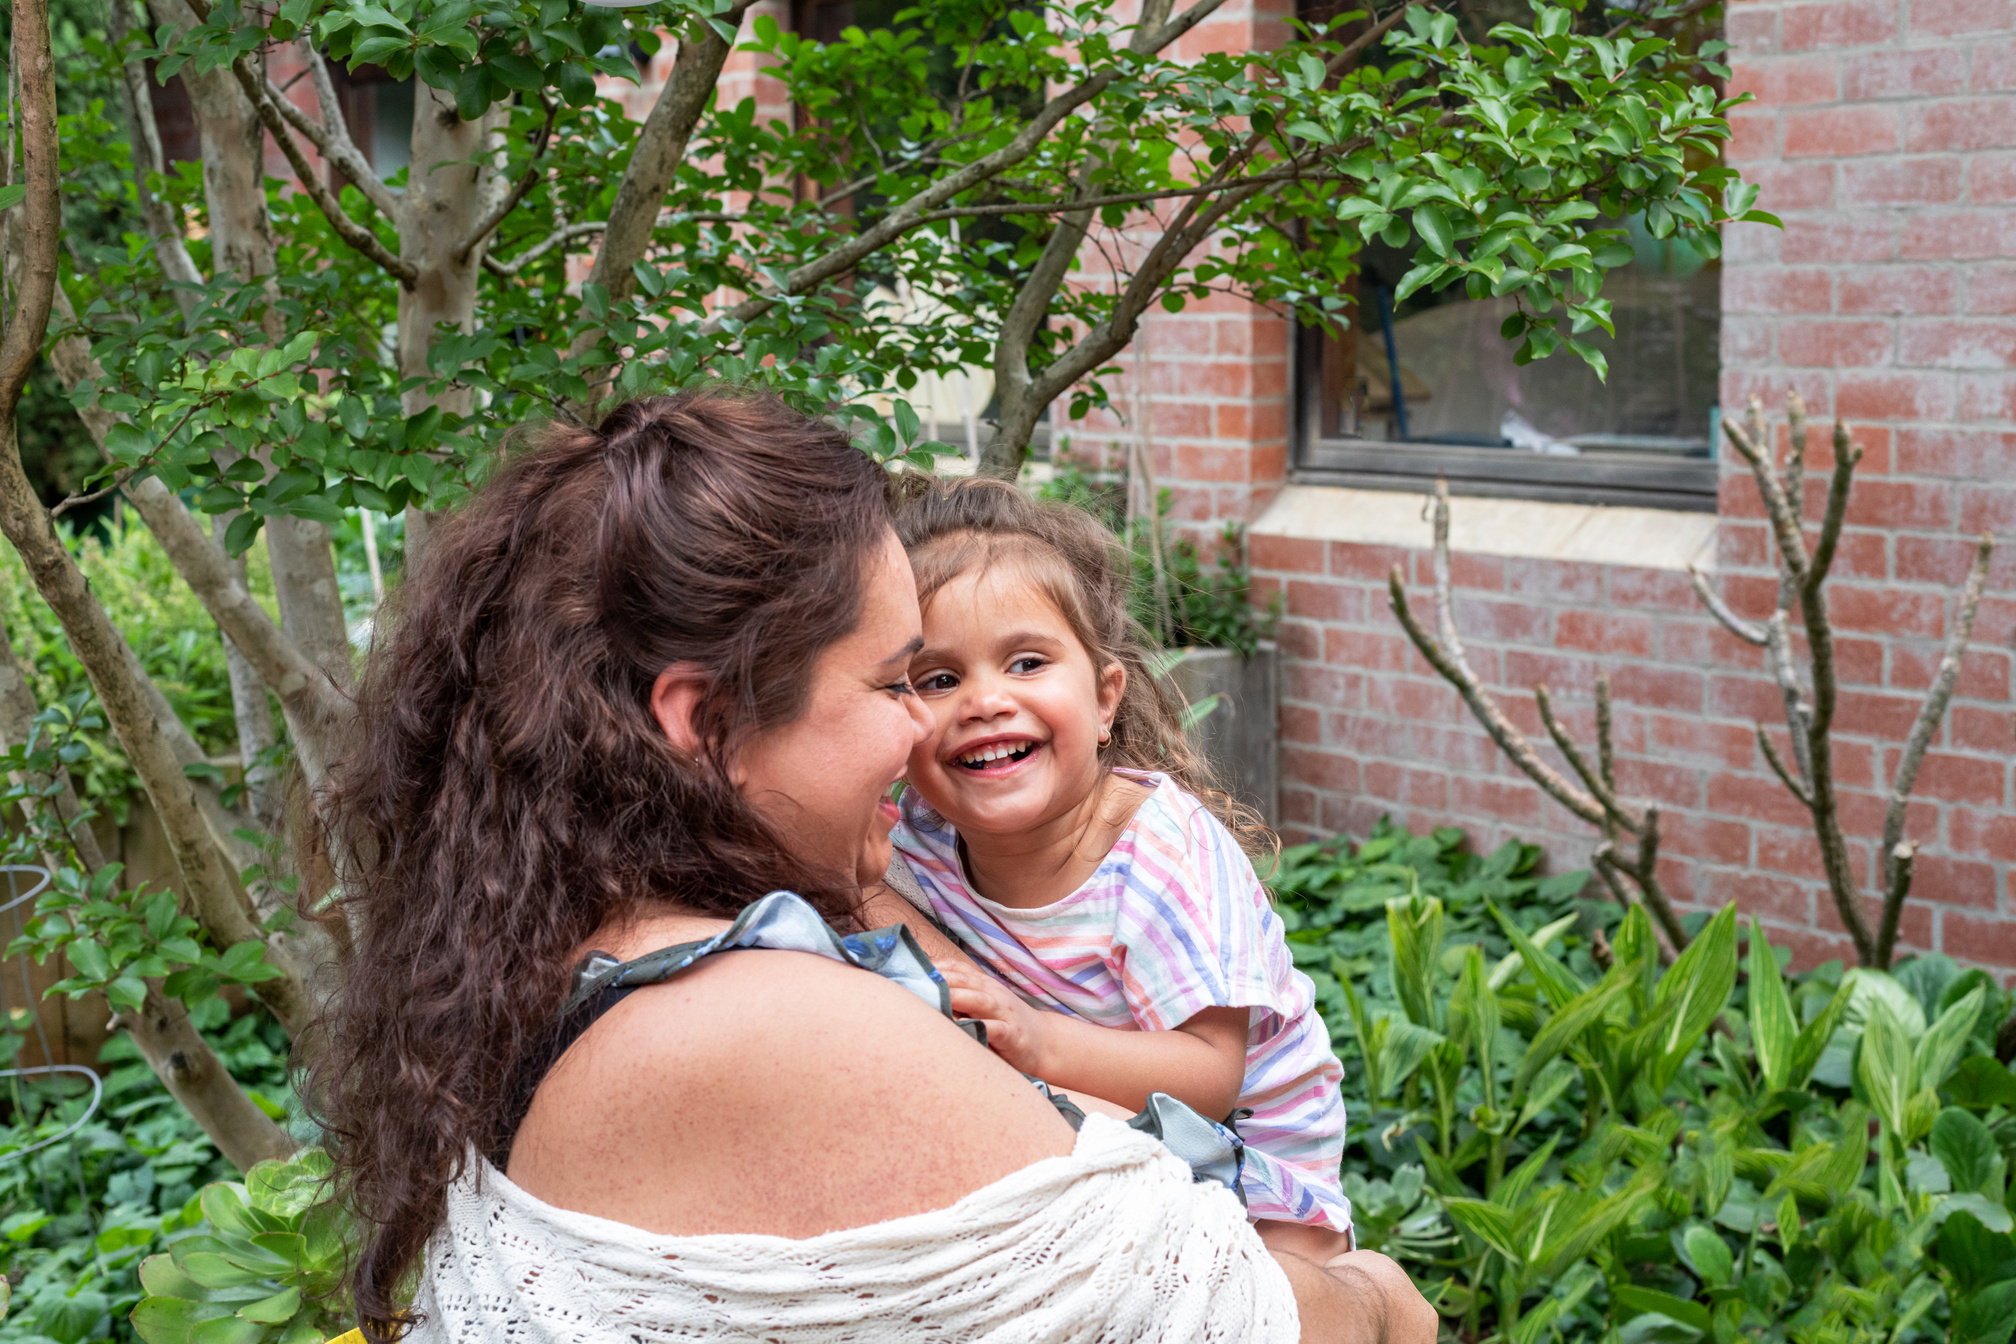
<point>1884,133</point>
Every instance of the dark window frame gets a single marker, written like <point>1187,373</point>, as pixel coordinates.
<point>1376,464</point>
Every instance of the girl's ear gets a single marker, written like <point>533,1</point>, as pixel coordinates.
<point>1112,685</point>
<point>675,698</point>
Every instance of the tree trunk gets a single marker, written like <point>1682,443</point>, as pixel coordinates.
<point>194,1075</point>
<point>250,708</point>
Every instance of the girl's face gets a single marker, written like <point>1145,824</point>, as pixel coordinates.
<point>1017,706</point>
<point>822,780</point>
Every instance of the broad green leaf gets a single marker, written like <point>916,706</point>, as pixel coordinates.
<point>1885,1066</point>
<point>12,195</point>
<point>1415,924</point>
<point>1991,1216</point>
<point>167,1320</point>
<point>1434,228</point>
<point>1966,1149</point>
<point>1570,1242</point>
<point>1401,1051</point>
<point>1701,979</point>
<point>1867,987</point>
<point>1773,1029</point>
<point>1981,1082</point>
<point>275,1310</point>
<point>1567,1026</point>
<point>1545,1091</point>
<point>1940,1048</point>
<point>1477,1007</point>
<point>1709,1256</point>
<point>1556,981</point>
<point>1636,1301</point>
<point>227,1330</point>
<point>1975,1256</point>
<point>1815,1035</point>
<point>1488,1222</point>
<point>1511,1192</point>
<point>1988,1317</point>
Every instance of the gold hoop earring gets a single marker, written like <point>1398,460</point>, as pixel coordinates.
<point>1105,737</point>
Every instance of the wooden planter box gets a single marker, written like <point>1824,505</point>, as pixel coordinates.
<point>1240,737</point>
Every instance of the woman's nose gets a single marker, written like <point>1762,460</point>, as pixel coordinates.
<point>922,725</point>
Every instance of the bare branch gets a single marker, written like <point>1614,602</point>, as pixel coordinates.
<point>660,148</point>
<point>552,240</point>
<point>1797,789</point>
<point>1795,462</point>
<point>1846,456</point>
<point>1937,697</point>
<point>489,224</point>
<point>1784,523</point>
<point>1646,871</point>
<point>1798,713</point>
<point>1898,862</point>
<point>1591,779</point>
<point>1734,624</point>
<point>1605,761</point>
<point>1446,657</point>
<point>336,142</point>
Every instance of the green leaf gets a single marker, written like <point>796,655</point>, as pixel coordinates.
<point>1774,1031</point>
<point>1946,1039</point>
<point>1981,1082</point>
<point>1965,1148</point>
<point>1434,228</point>
<point>12,195</point>
<point>275,1310</point>
<point>1888,1074</point>
<point>167,1320</point>
<point>1556,981</point>
<point>1637,1301</point>
<point>1489,1223</point>
<point>1991,1216</point>
<point>227,1330</point>
<point>1415,926</point>
<point>1567,1026</point>
<point>213,1270</point>
<point>1708,1256</point>
<point>1975,1256</point>
<point>1815,1035</point>
<point>1401,1051</point>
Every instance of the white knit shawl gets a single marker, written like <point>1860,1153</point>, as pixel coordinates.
<point>1110,1243</point>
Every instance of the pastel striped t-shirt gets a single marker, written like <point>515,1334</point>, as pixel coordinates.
<point>1173,922</point>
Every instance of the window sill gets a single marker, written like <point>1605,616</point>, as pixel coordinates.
<point>1601,534</point>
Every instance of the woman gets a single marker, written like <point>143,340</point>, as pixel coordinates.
<point>651,673</point>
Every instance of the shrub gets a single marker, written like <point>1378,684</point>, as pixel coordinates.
<point>1562,1139</point>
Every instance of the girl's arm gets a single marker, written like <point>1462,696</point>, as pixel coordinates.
<point>1202,1063</point>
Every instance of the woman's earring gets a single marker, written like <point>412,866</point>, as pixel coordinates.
<point>1105,737</point>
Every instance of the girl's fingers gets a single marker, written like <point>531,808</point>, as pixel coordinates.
<point>973,1003</point>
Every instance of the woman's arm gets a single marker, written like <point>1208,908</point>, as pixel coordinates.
<point>1360,1297</point>
<point>1202,1063</point>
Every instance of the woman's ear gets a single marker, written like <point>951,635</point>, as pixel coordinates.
<point>675,698</point>
<point>1112,685</point>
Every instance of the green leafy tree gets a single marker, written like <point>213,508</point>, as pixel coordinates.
<point>255,361</point>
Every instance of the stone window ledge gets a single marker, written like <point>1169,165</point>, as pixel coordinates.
<point>1600,534</point>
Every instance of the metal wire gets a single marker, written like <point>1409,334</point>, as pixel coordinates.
<point>97,1097</point>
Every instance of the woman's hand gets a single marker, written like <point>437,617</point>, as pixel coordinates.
<point>1015,1031</point>
<point>1360,1297</point>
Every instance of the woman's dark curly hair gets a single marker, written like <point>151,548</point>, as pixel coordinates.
<point>509,792</point>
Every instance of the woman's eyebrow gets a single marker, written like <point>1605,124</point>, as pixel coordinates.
<point>904,654</point>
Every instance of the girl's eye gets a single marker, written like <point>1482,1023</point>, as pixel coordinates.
<point>937,681</point>
<point>1029,663</point>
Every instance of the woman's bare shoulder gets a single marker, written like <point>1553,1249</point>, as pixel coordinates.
<point>776,1092</point>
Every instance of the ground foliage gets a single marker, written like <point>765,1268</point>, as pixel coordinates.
<point>1714,1150</point>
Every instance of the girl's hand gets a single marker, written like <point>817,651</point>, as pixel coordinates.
<point>1015,1031</point>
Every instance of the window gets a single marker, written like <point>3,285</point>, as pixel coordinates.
<point>1551,430</point>
<point>1429,388</point>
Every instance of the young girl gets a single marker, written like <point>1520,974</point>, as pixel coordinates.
<point>1053,823</point>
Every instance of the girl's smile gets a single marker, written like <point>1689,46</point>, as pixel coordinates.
<point>1018,706</point>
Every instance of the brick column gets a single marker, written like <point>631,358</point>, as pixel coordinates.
<point>1884,134</point>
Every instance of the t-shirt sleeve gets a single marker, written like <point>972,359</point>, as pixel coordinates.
<point>1194,928</point>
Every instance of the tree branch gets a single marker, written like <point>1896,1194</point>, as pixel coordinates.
<point>661,146</point>
<point>194,1076</point>
<point>539,249</point>
<point>1937,697</point>
<point>1784,522</point>
<point>1734,624</point>
<point>1777,764</point>
<point>332,134</point>
<point>164,226</point>
<point>488,225</point>
<point>1446,657</point>
<point>1591,780</point>
<point>358,236</point>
